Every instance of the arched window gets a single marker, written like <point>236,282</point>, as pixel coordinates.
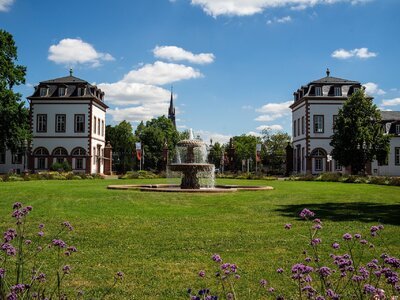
<point>41,158</point>
<point>318,152</point>
<point>60,154</point>
<point>78,152</point>
<point>41,151</point>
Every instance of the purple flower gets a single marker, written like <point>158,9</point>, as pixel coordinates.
<point>2,272</point>
<point>66,269</point>
<point>317,221</point>
<point>317,226</point>
<point>335,246</point>
<point>288,226</point>
<point>280,271</point>
<point>357,236</point>
<point>324,271</point>
<point>364,242</point>
<point>41,277</point>
<point>307,259</point>
<point>357,278</point>
<point>59,243</point>
<point>67,225</point>
<point>331,294</point>
<point>237,276</point>
<point>271,290</point>
<point>393,261</point>
<point>8,249</point>
<point>369,289</point>
<point>40,233</point>
<point>373,230</point>
<point>216,258</point>
<point>17,205</point>
<point>263,282</point>
<point>119,275</point>
<point>41,226</point>
<point>9,235</point>
<point>315,241</point>
<point>347,236</point>
<point>202,274</point>
<point>306,214</point>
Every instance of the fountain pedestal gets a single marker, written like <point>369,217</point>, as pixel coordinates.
<point>190,172</point>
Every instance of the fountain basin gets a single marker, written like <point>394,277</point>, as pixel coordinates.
<point>175,188</point>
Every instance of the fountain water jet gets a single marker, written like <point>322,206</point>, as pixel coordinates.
<point>191,162</point>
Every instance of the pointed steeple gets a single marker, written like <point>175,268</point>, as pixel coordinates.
<point>171,110</point>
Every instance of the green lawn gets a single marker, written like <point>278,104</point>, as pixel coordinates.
<point>161,240</point>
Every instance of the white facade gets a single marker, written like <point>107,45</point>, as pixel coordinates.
<point>68,125</point>
<point>13,163</point>
<point>313,111</point>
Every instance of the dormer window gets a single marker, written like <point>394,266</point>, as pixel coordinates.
<point>318,91</point>
<point>397,128</point>
<point>80,92</point>
<point>338,91</point>
<point>62,91</point>
<point>43,91</point>
<point>356,89</point>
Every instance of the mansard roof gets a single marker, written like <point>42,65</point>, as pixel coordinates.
<point>75,89</point>
<point>390,115</point>
<point>67,79</point>
<point>333,80</point>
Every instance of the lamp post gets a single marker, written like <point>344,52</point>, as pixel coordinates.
<point>25,149</point>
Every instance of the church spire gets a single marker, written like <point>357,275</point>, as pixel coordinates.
<point>171,110</point>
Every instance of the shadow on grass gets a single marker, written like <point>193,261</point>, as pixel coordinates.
<point>353,211</point>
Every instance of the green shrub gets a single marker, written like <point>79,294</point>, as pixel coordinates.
<point>332,177</point>
<point>15,178</point>
<point>76,177</point>
<point>64,166</point>
<point>378,180</point>
<point>394,181</point>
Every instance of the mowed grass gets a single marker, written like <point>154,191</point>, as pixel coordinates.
<point>161,240</point>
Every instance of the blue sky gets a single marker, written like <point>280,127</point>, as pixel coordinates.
<point>233,64</point>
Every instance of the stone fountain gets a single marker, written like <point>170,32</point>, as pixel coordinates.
<point>191,163</point>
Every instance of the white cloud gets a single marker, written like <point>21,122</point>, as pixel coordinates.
<point>161,73</point>
<point>132,93</point>
<point>173,53</point>
<point>253,133</point>
<point>282,20</point>
<point>372,89</point>
<point>362,53</point>
<point>75,51</point>
<point>216,137</point>
<point>391,102</point>
<point>270,127</point>
<point>273,111</point>
<point>143,112</point>
<point>217,8</point>
<point>5,4</point>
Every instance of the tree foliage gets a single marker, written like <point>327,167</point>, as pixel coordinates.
<point>153,136</point>
<point>123,141</point>
<point>245,148</point>
<point>275,155</point>
<point>215,154</point>
<point>358,134</point>
<point>14,117</point>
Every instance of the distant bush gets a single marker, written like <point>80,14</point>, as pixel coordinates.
<point>50,176</point>
<point>139,175</point>
<point>64,166</point>
<point>332,177</point>
<point>379,180</point>
<point>243,175</point>
<point>394,181</point>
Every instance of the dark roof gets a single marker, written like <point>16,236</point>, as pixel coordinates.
<point>333,80</point>
<point>66,79</point>
<point>390,115</point>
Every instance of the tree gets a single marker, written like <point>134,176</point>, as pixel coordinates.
<point>245,148</point>
<point>215,154</point>
<point>275,145</point>
<point>153,136</point>
<point>14,117</point>
<point>358,134</point>
<point>123,141</point>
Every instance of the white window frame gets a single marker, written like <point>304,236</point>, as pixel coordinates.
<point>62,91</point>
<point>338,167</point>
<point>337,90</point>
<point>397,156</point>
<point>318,121</point>
<point>318,91</point>
<point>43,92</point>
<point>41,125</point>
<point>61,123</point>
<point>319,164</point>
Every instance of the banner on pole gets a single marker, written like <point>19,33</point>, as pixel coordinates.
<point>138,146</point>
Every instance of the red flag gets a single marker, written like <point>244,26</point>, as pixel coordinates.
<point>258,156</point>
<point>139,154</point>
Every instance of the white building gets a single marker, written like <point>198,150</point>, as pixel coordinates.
<point>68,124</point>
<point>314,110</point>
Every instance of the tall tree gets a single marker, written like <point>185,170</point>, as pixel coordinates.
<point>153,136</point>
<point>215,154</point>
<point>275,155</point>
<point>358,134</point>
<point>14,117</point>
<point>245,148</point>
<point>123,141</point>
